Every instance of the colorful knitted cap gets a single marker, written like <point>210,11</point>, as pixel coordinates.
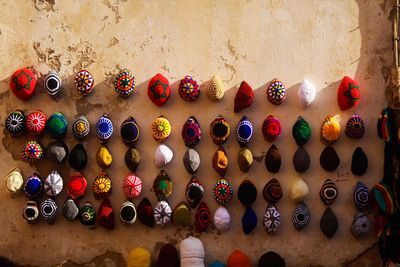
<point>194,192</point>
<point>132,186</point>
<point>273,159</point>
<point>30,212</point>
<point>77,185</point>
<point>329,223</point>
<point>15,122</point>
<point>52,84</point>
<point>87,215</point>
<point>383,196</point>
<point>271,128</point>
<point>215,89</point>
<point>161,129</point>
<point>48,210</point>
<point>124,83</point>
<point>355,127</point>
<point>105,215</point>
<point>328,192</point>
<point>13,182</point>
<point>32,151</point>
<point>272,219</point>
<point>33,186</point>
<point>301,216</point>
<point>23,83</point>
<point>162,185</point>
<point>191,132</point>
<point>159,90</point>
<point>348,94</point>
<point>219,130</point>
<point>202,217</point>
<point>272,192</point>
<point>36,123</point>
<point>104,128</point>
<point>238,259</point>
<point>84,82</point>
<point>77,157</point>
<point>127,213</point>
<point>162,213</point>
<point>81,127</point>
<point>130,131</point>
<point>244,97</point>
<point>301,131</point>
<point>361,225</point>
<point>220,161</point>
<point>102,185</point>
<point>53,184</point>
<point>361,196</point>
<point>57,125</point>
<point>222,192</point>
<point>276,92</point>
<point>330,130</point>
<point>188,89</point>
<point>244,131</point>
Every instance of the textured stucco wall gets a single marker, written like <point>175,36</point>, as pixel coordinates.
<point>240,40</point>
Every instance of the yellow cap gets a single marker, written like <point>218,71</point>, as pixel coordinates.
<point>139,257</point>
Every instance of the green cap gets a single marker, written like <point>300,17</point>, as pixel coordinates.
<point>57,125</point>
<point>301,131</point>
<point>181,215</point>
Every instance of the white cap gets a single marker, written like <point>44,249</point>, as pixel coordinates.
<point>192,252</point>
<point>306,93</point>
<point>222,219</point>
<point>163,155</point>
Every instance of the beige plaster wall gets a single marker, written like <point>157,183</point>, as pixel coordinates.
<point>240,40</point>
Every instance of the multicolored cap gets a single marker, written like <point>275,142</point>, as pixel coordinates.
<point>81,127</point>
<point>132,186</point>
<point>244,131</point>
<point>222,192</point>
<point>84,82</point>
<point>189,89</point>
<point>102,185</point>
<point>194,192</point>
<point>36,123</point>
<point>32,151</point>
<point>159,90</point>
<point>15,122</point>
<point>124,83</point>
<point>104,128</point>
<point>33,186</point>
<point>219,130</point>
<point>162,185</point>
<point>162,213</point>
<point>130,131</point>
<point>57,125</point>
<point>87,215</point>
<point>191,132</point>
<point>276,92</point>
<point>23,83</point>
<point>161,129</point>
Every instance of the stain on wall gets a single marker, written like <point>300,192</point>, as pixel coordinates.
<point>251,40</point>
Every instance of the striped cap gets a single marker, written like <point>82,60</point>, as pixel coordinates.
<point>301,216</point>
<point>361,196</point>
<point>328,192</point>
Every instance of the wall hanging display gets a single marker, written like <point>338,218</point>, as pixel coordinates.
<point>159,90</point>
<point>244,97</point>
<point>124,83</point>
<point>306,93</point>
<point>52,84</point>
<point>84,82</point>
<point>188,89</point>
<point>23,83</point>
<point>215,89</point>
